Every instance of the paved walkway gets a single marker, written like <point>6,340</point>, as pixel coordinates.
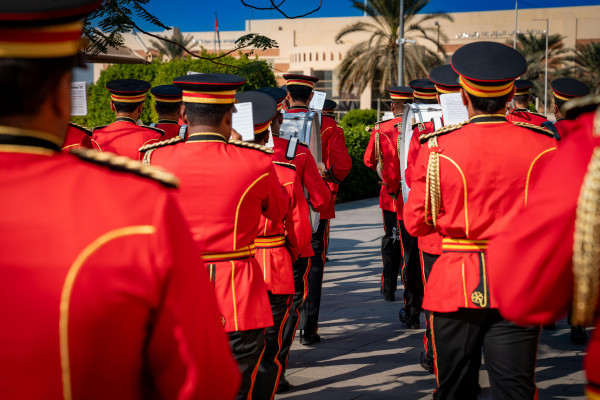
<point>366,354</point>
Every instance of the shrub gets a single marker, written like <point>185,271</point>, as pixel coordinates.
<point>361,182</point>
<point>257,73</point>
<point>360,117</point>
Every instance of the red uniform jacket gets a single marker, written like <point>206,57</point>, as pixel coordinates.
<point>102,292</point>
<point>170,127</point>
<point>431,243</point>
<point>391,169</point>
<point>280,242</point>
<point>534,258</point>
<point>306,169</point>
<point>561,128</point>
<point>524,115</point>
<point>75,135</point>
<point>386,201</point>
<point>224,189</point>
<point>485,168</point>
<point>334,155</point>
<point>124,137</point>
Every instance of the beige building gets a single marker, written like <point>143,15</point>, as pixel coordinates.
<point>308,46</point>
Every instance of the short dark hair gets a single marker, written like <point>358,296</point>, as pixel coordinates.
<point>167,108</point>
<point>559,102</point>
<point>25,83</point>
<point>399,103</point>
<point>299,92</point>
<point>259,137</point>
<point>489,105</point>
<point>425,101</point>
<point>206,114</point>
<point>126,107</point>
<point>521,99</point>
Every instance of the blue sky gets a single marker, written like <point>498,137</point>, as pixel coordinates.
<point>199,15</point>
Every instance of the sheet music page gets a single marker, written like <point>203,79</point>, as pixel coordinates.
<point>78,99</point>
<point>317,101</point>
<point>242,121</point>
<point>453,109</point>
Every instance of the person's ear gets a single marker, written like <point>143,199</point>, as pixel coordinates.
<point>140,108</point>
<point>183,115</point>
<point>280,117</point>
<point>311,96</point>
<point>61,100</point>
<point>464,97</point>
<point>112,106</point>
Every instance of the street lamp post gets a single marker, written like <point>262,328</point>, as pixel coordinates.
<point>437,42</point>
<point>401,45</point>
<point>546,69</point>
<point>516,19</point>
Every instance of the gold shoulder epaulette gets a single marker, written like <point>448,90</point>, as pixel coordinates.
<point>156,145</point>
<point>442,131</point>
<point>99,127</point>
<point>249,145</point>
<point>126,164</point>
<point>573,108</point>
<point>84,129</point>
<point>161,131</point>
<point>534,128</point>
<point>538,114</point>
<point>290,166</point>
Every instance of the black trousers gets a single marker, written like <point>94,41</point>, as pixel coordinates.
<point>427,261</point>
<point>309,312</point>
<point>301,268</point>
<point>247,348</point>
<point>411,274</point>
<point>391,254</point>
<point>509,351</point>
<point>270,367</point>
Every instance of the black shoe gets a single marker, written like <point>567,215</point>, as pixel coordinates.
<point>426,365</point>
<point>308,338</point>
<point>284,385</point>
<point>411,322</point>
<point>578,335</point>
<point>389,297</point>
<point>326,259</point>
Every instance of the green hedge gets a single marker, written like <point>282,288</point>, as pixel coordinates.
<point>361,182</point>
<point>360,117</point>
<point>258,74</point>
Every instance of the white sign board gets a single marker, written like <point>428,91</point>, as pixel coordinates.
<point>453,109</point>
<point>243,122</point>
<point>317,101</point>
<point>78,99</point>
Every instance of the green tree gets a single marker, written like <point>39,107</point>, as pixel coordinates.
<point>377,57</point>
<point>175,47</point>
<point>586,65</point>
<point>533,48</point>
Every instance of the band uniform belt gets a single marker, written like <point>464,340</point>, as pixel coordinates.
<point>269,242</point>
<point>240,254</point>
<point>464,245</point>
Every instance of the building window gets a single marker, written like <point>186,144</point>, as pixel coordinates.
<point>325,83</point>
<point>316,56</point>
<point>309,56</point>
<point>304,56</point>
<point>331,56</point>
<point>340,56</point>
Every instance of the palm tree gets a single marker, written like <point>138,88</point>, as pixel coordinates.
<point>173,50</point>
<point>377,57</point>
<point>586,60</point>
<point>533,48</point>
